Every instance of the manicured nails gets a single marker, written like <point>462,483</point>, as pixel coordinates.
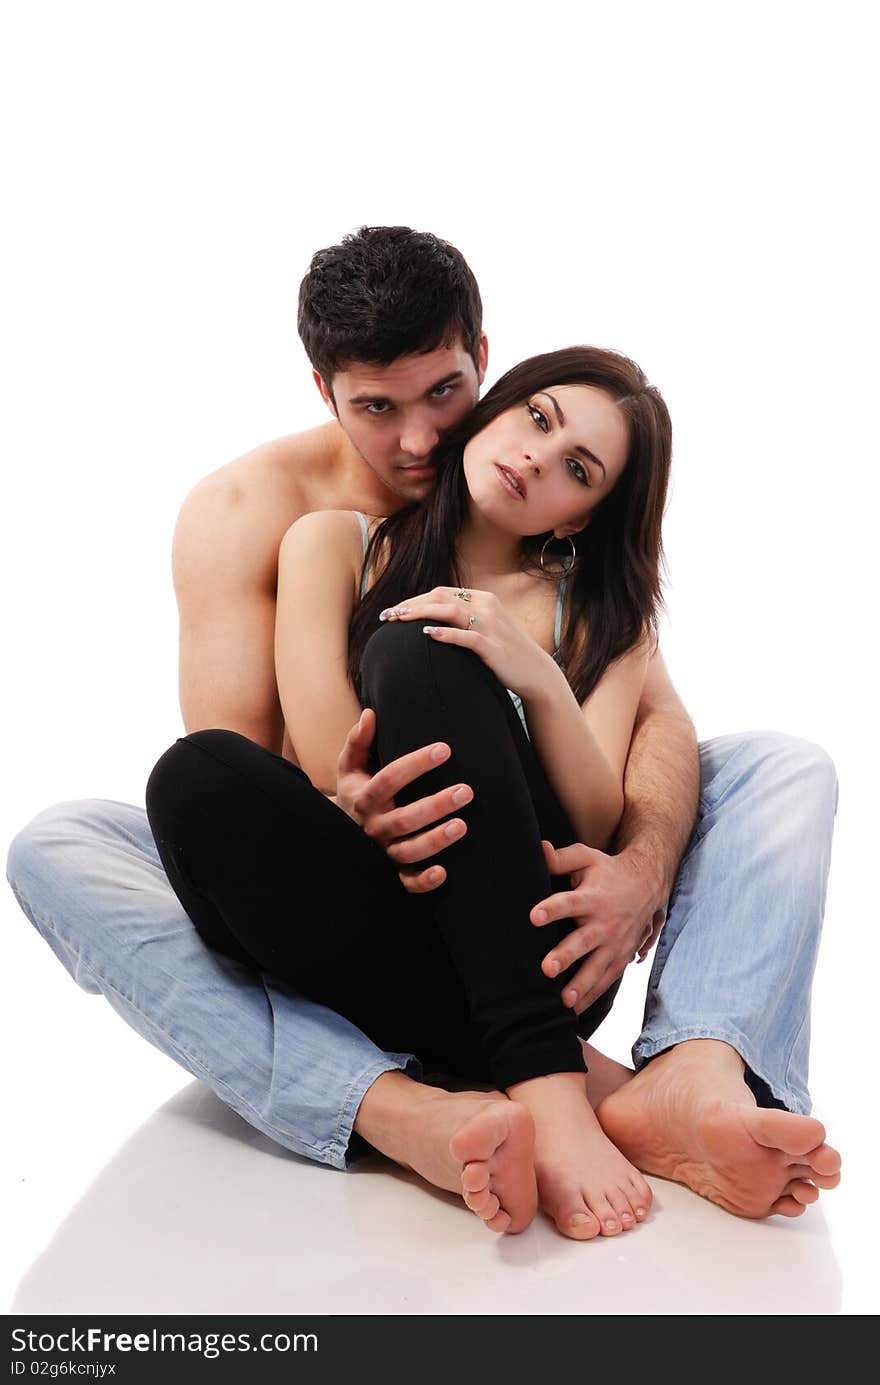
<point>391,612</point>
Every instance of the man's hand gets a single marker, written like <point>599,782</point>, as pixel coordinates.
<point>369,801</point>
<point>612,901</point>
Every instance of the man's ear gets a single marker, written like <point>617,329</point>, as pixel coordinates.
<point>324,391</point>
<point>482,357</point>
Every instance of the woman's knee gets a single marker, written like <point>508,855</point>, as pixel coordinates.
<point>401,666</point>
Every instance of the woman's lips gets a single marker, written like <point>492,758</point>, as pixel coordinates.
<point>505,475</point>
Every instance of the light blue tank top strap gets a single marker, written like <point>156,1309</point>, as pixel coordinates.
<point>366,538</point>
<point>557,635</point>
<point>560,602</point>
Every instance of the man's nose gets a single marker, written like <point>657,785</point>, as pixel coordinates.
<point>418,438</point>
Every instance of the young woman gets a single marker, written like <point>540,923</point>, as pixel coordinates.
<point>455,621</point>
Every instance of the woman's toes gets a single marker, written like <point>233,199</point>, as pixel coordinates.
<point>578,1223</point>
<point>623,1209</point>
<point>609,1222</point>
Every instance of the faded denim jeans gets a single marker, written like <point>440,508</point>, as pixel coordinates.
<point>735,959</point>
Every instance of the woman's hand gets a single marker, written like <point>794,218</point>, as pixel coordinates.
<point>478,621</point>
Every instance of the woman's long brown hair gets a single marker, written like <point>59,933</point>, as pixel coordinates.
<point>615,583</point>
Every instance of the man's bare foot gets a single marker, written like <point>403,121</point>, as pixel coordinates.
<point>478,1144</point>
<point>689,1116</point>
<point>584,1183</point>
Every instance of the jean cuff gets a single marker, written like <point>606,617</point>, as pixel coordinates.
<point>647,1048</point>
<point>347,1146</point>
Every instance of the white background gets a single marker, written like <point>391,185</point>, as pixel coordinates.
<point>689,183</point>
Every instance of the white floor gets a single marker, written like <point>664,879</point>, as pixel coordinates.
<point>135,1190</point>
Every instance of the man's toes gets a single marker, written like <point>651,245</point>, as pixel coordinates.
<point>824,1160</point>
<point>578,1223</point>
<point>802,1191</point>
<point>475,1177</point>
<point>821,1180</point>
<point>787,1207</point>
<point>484,1203</point>
<point>500,1222</point>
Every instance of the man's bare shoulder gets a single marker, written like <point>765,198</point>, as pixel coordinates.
<point>232,522</point>
<point>277,477</point>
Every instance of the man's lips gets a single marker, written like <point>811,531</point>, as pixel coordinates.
<point>511,480</point>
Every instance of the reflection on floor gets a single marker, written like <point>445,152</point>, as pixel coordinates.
<point>198,1213</point>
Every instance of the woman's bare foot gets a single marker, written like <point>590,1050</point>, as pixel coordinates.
<point>586,1185</point>
<point>689,1116</point>
<point>477,1144</point>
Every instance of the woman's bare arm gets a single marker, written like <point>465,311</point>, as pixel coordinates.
<point>584,749</point>
<point>318,571</point>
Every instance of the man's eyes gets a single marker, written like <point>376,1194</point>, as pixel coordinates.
<point>379,407</point>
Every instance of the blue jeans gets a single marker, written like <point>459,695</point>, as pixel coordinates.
<point>734,962</point>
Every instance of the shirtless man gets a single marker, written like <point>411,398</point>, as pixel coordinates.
<point>391,322</point>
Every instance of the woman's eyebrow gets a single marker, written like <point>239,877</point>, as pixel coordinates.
<point>591,456</point>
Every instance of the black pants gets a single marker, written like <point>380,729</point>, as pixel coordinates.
<point>274,874</point>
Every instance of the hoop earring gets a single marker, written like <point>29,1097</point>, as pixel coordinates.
<point>574,551</point>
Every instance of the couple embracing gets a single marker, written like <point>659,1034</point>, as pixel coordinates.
<point>437,792</point>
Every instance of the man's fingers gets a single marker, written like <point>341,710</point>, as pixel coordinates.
<point>426,844</point>
<point>577,944</point>
<point>568,858</point>
<point>591,980</point>
<point>396,775</point>
<point>567,904</point>
<point>426,812</point>
<point>422,881</point>
<point>358,741</point>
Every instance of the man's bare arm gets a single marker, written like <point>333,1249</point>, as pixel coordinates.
<point>661,783</point>
<point>224,563</point>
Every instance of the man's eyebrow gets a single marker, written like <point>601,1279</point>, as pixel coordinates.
<point>591,456</point>
<point>383,398</point>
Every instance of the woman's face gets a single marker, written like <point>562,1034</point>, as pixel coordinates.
<point>547,463</point>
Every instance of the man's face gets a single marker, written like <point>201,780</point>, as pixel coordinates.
<point>395,415</point>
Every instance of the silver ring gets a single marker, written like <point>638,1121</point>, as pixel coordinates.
<point>463,595</point>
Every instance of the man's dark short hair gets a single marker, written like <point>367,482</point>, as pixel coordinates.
<point>384,292</point>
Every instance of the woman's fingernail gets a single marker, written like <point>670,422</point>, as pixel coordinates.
<point>383,615</point>
<point>440,752</point>
<point>540,916</point>
<point>430,629</point>
<point>461,796</point>
<point>553,968</point>
<point>452,830</point>
<point>570,997</point>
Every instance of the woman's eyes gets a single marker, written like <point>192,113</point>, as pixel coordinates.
<point>542,422</point>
